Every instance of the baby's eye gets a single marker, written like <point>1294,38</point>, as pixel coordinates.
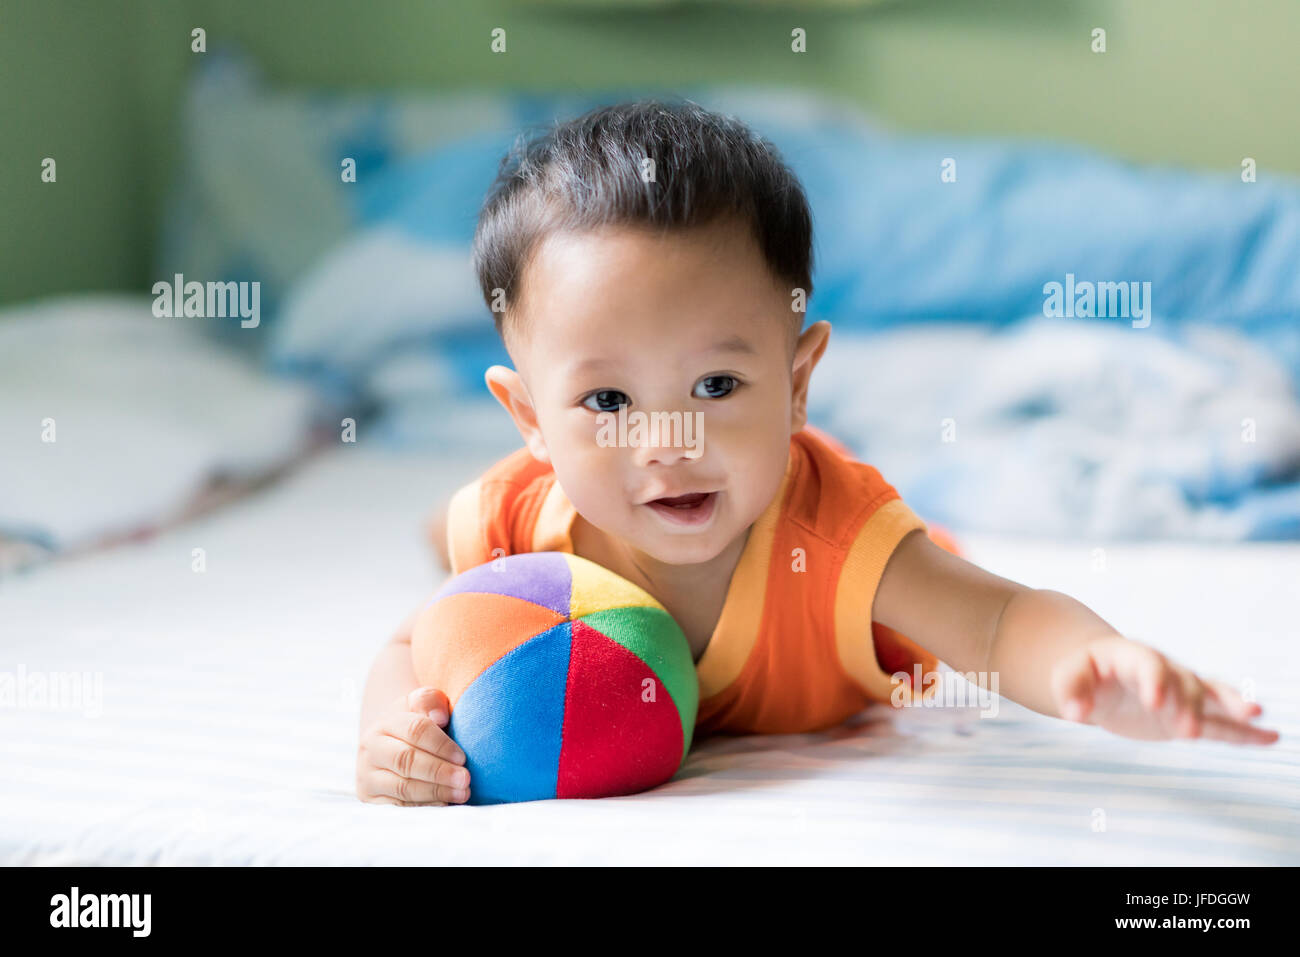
<point>715,386</point>
<point>606,400</point>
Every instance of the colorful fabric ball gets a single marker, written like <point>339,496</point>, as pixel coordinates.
<point>565,679</point>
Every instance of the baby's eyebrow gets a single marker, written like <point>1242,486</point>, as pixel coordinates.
<point>576,368</point>
<point>734,344</point>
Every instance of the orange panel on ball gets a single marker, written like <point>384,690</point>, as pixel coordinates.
<point>459,637</point>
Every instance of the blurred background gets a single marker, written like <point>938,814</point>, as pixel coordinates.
<point>959,157</point>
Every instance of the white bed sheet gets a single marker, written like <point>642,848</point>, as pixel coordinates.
<point>227,727</point>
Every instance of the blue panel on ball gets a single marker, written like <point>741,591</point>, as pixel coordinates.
<point>509,721</point>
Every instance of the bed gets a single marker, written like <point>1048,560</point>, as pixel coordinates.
<point>226,725</point>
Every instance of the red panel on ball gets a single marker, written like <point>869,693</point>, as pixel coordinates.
<point>613,742</point>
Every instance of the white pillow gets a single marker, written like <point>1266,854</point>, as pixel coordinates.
<point>144,413</point>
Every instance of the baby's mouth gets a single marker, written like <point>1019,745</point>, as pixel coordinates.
<point>690,500</point>
<point>694,508</point>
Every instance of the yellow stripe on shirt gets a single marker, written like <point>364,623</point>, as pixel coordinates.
<point>855,594</point>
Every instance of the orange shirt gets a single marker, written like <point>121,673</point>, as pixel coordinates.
<point>794,648</point>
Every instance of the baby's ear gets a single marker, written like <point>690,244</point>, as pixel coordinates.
<point>807,351</point>
<point>508,388</point>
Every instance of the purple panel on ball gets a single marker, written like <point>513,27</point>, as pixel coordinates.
<point>540,577</point>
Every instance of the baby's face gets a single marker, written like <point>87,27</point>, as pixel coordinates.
<point>691,324</point>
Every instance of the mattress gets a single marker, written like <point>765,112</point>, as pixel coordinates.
<point>217,719</point>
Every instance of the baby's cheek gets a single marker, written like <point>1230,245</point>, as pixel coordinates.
<point>573,437</point>
<point>596,495</point>
<point>744,429</point>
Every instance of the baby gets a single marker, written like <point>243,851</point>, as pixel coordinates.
<point>655,258</point>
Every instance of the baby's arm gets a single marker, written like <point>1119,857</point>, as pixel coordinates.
<point>436,529</point>
<point>1050,652</point>
<point>404,754</point>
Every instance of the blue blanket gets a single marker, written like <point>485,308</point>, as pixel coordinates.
<point>388,317</point>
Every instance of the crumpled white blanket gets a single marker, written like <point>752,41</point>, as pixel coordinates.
<point>1072,428</point>
<point>113,420</point>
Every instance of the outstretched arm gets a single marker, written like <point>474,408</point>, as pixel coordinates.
<point>1052,653</point>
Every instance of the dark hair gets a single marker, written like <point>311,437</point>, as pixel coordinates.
<point>586,173</point>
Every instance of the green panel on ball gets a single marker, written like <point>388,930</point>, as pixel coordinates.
<point>653,636</point>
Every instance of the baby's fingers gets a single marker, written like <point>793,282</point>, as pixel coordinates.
<point>1236,732</point>
<point>407,761</point>
<point>1156,679</point>
<point>1188,696</point>
<point>1224,699</point>
<point>430,701</point>
<point>1076,685</point>
<point>420,732</point>
<point>386,787</point>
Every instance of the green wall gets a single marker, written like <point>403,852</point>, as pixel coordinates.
<point>96,84</point>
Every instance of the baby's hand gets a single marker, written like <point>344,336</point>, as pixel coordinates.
<point>408,759</point>
<point>1132,690</point>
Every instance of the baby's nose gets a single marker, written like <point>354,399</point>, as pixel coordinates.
<point>648,455</point>
<point>666,445</point>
